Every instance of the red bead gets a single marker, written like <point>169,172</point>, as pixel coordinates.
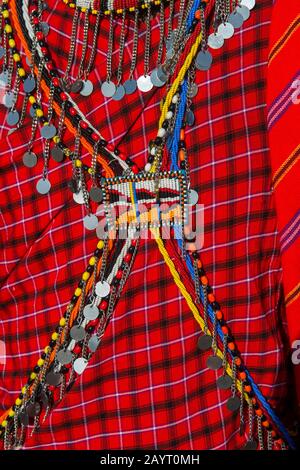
<point>55,81</point>
<point>36,21</point>
<point>134,241</point>
<point>110,147</point>
<point>92,323</point>
<point>73,111</point>
<point>77,349</point>
<point>63,96</point>
<point>49,66</point>
<point>122,156</point>
<point>119,274</point>
<point>44,50</point>
<point>135,169</point>
<point>95,137</point>
<point>39,35</point>
<point>127,258</point>
<point>83,125</point>
<point>103,305</point>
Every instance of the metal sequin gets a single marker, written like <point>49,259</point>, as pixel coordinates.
<point>57,154</point>
<point>235,19</point>
<point>203,60</point>
<point>215,41</point>
<point>3,78</point>
<point>2,52</point>
<point>214,362</point>
<point>77,333</point>
<point>12,118</point>
<point>248,3</point>
<point>43,186</point>
<point>80,365</point>
<point>233,403</point>
<point>64,356</point>
<point>53,378</point>
<point>108,89</point>
<point>130,86</point>
<point>119,93</point>
<point>96,194</point>
<point>48,131</point>
<point>33,409</point>
<point>190,117</point>
<point>144,83</point>
<point>87,88</point>
<point>78,197</point>
<point>8,99</point>
<point>93,343</point>
<point>226,30</point>
<point>204,342</point>
<point>193,197</point>
<point>29,159</point>
<point>29,84</point>
<point>244,11</point>
<point>45,28</point>
<point>90,221</point>
<point>155,80</point>
<point>91,312</point>
<point>77,86</point>
<point>102,289</point>
<point>224,382</point>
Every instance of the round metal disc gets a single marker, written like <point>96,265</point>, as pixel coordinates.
<point>53,378</point>
<point>250,445</point>
<point>144,83</point>
<point>108,89</point>
<point>244,11</point>
<point>32,111</point>
<point>130,86</point>
<point>33,409</point>
<point>248,3</point>
<point>2,52</point>
<point>12,118</point>
<point>203,60</point>
<point>77,333</point>
<point>90,221</point>
<point>215,41</point>
<point>91,312</point>
<point>224,382</point>
<point>189,117</point>
<point>233,403</point>
<point>8,99</point>
<point>204,342</point>
<point>65,85</point>
<point>87,88</point>
<point>3,78</point>
<point>57,154</point>
<point>193,90</point>
<point>29,159</point>
<point>80,365</point>
<point>193,197</point>
<point>48,131</point>
<point>78,197</point>
<point>119,93</point>
<point>24,418</point>
<point>64,356</point>
<point>102,289</point>
<point>226,30</point>
<point>45,28</point>
<point>96,194</point>
<point>29,84</point>
<point>77,86</point>
<point>235,19</point>
<point>214,362</point>
<point>155,80</point>
<point>161,74</point>
<point>43,186</point>
<point>93,343</point>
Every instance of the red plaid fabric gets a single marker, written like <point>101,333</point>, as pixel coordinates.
<point>147,385</point>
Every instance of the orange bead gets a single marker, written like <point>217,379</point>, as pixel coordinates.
<point>219,314</point>
<point>211,297</point>
<point>238,361</point>
<point>225,330</point>
<point>203,279</point>
<point>198,14</point>
<point>182,134</point>
<point>242,375</point>
<point>181,155</point>
<point>231,346</point>
<point>258,412</point>
<point>199,264</point>
<point>266,424</point>
<point>248,388</point>
<point>254,401</point>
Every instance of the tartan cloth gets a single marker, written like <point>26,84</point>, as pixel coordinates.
<point>283,120</point>
<point>147,385</point>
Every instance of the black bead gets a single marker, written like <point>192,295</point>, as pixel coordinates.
<point>64,369</point>
<point>117,151</point>
<point>102,142</point>
<point>90,269</point>
<point>98,252</point>
<point>165,124</point>
<point>81,284</point>
<point>158,141</point>
<point>43,355</point>
<point>115,282</point>
<point>150,158</point>
<point>74,299</point>
<point>195,255</point>
<point>52,343</point>
<point>182,165</point>
<point>131,249</point>
<point>215,305</point>
<point>182,144</point>
<point>201,272</point>
<point>36,369</point>
<point>90,329</point>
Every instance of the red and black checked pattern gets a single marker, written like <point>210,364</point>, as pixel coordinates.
<point>148,386</point>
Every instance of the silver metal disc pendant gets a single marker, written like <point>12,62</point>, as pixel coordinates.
<point>108,89</point>
<point>80,365</point>
<point>24,418</point>
<point>235,19</point>
<point>93,343</point>
<point>43,186</point>
<point>102,289</point>
<point>233,403</point>
<point>45,28</point>
<point>189,118</point>
<point>77,86</point>
<point>48,131</point>
<point>129,86</point>
<point>12,118</point>
<point>204,343</point>
<point>144,83</point>
<point>29,159</point>
<point>90,221</point>
<point>203,60</point>
<point>2,52</point>
<point>57,154</point>
<point>87,88</point>
<point>193,197</point>
<point>224,382</point>
<point>193,90</point>
<point>250,445</point>
<point>53,378</point>
<point>32,111</point>
<point>248,3</point>
<point>77,333</point>
<point>33,409</point>
<point>119,93</point>
<point>215,41</point>
<point>244,11</point>
<point>8,99</point>
<point>29,84</point>
<point>96,194</point>
<point>91,312</point>
<point>64,356</point>
<point>226,30</point>
<point>214,362</point>
<point>78,197</point>
<point>3,78</point>
<point>155,80</point>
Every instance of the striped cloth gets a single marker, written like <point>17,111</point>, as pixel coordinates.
<point>283,123</point>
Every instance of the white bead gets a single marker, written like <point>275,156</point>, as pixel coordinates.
<point>169,115</point>
<point>148,167</point>
<point>175,99</point>
<point>153,151</point>
<point>161,132</point>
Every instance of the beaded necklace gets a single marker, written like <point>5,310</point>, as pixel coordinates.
<point>81,328</point>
